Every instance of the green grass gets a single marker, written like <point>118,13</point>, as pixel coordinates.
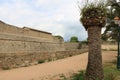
<point>109,49</point>
<point>110,72</point>
<point>78,76</point>
<point>63,77</point>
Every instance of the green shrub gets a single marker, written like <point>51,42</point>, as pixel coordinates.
<point>41,61</point>
<point>5,68</point>
<point>49,59</point>
<point>84,42</point>
<point>59,37</point>
<point>63,77</point>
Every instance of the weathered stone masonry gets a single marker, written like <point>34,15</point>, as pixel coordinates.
<point>15,40</point>
<point>25,46</point>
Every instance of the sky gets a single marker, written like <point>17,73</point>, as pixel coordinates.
<point>59,17</point>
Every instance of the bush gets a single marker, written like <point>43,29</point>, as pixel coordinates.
<point>5,68</point>
<point>41,61</point>
<point>84,42</point>
<point>59,37</point>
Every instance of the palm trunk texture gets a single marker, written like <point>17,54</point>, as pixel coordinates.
<point>94,69</point>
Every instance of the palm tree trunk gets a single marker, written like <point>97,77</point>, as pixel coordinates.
<point>94,69</point>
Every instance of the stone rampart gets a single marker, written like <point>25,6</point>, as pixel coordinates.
<point>20,40</point>
<point>10,29</point>
<point>72,45</point>
<point>25,46</point>
<point>15,60</point>
<point>20,44</point>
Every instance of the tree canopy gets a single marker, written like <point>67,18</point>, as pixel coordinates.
<point>74,39</point>
<point>113,10</point>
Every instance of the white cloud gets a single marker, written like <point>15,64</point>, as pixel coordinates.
<point>56,16</point>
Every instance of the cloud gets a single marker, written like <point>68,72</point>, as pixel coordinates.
<point>60,17</point>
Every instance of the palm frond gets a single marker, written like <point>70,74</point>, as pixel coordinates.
<point>93,15</point>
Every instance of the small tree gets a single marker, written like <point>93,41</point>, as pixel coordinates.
<point>74,39</point>
<point>93,17</point>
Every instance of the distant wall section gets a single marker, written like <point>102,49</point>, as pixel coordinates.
<point>72,45</point>
<point>25,59</point>
<point>27,40</point>
<point>10,29</point>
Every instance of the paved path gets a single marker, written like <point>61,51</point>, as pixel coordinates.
<point>66,65</point>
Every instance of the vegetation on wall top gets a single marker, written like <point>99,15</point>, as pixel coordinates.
<point>59,37</point>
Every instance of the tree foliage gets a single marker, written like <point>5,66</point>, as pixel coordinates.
<point>74,39</point>
<point>92,13</point>
<point>113,10</point>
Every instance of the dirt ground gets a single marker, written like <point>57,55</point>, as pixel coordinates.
<point>48,70</point>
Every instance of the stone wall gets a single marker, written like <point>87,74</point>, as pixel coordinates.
<point>72,45</point>
<point>22,40</point>
<point>20,44</point>
<point>15,60</point>
<point>10,29</point>
<point>25,46</point>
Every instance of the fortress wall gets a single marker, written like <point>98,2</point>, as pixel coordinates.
<point>33,33</point>
<point>20,47</point>
<point>60,44</point>
<point>22,44</point>
<point>6,28</point>
<point>20,40</point>
<point>22,60</point>
<point>72,45</point>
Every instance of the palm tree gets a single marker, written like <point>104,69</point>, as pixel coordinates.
<point>93,18</point>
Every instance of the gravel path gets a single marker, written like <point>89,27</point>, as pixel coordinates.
<point>63,66</point>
